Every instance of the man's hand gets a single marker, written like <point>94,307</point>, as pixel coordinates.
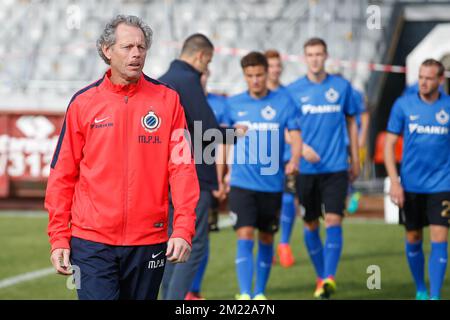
<point>291,168</point>
<point>354,171</point>
<point>397,194</point>
<point>60,261</point>
<point>310,154</point>
<point>220,194</point>
<point>240,130</point>
<point>178,250</point>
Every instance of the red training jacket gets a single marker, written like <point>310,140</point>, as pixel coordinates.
<point>119,149</point>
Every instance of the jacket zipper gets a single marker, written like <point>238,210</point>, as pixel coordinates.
<point>125,205</point>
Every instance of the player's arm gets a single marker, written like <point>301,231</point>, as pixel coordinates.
<point>287,136</point>
<point>64,173</point>
<point>354,150</point>
<point>362,139</point>
<point>221,164</point>
<point>309,153</point>
<point>395,127</point>
<point>296,152</point>
<point>184,187</point>
<point>396,192</point>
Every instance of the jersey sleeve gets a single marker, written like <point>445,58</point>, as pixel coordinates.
<point>223,108</point>
<point>184,185</point>
<point>293,114</point>
<point>359,101</point>
<point>396,118</point>
<point>64,173</point>
<point>227,118</point>
<point>349,103</point>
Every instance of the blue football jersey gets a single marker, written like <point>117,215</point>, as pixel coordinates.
<point>323,108</point>
<point>287,146</point>
<point>218,104</point>
<point>258,156</point>
<point>425,128</point>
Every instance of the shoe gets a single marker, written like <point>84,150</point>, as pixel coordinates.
<point>435,298</point>
<point>422,295</point>
<point>243,296</point>
<point>329,287</point>
<point>353,203</point>
<point>193,296</point>
<point>260,297</point>
<point>318,293</point>
<point>285,253</point>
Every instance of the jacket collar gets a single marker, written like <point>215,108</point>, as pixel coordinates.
<point>126,90</point>
<point>182,65</point>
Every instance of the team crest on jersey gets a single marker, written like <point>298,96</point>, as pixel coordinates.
<point>442,117</point>
<point>268,113</point>
<point>151,122</point>
<point>332,95</point>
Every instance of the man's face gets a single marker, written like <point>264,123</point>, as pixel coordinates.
<point>315,58</point>
<point>275,69</point>
<point>429,80</point>
<point>127,55</point>
<point>256,77</point>
<point>203,60</point>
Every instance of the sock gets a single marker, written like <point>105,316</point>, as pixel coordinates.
<point>263,266</point>
<point>287,218</point>
<point>437,266</point>
<point>197,283</point>
<point>332,250</point>
<point>315,250</point>
<point>416,262</point>
<point>244,265</point>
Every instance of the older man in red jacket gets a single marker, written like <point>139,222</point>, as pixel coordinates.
<point>122,144</point>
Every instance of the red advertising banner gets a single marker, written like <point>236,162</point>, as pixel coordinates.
<point>27,143</point>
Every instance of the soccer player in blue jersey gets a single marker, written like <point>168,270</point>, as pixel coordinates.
<point>288,205</point>
<point>326,106</point>
<point>423,189</point>
<point>257,173</point>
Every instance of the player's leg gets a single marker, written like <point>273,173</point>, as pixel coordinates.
<point>334,188</point>
<point>194,292</point>
<point>184,273</point>
<point>438,209</point>
<point>244,261</point>
<point>243,205</point>
<point>141,271</point>
<point>263,264</point>
<point>309,197</point>
<point>287,221</point>
<point>413,217</point>
<point>269,205</point>
<point>98,270</point>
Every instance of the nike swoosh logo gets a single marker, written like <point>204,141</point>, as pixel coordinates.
<point>240,260</point>
<point>241,114</point>
<point>155,255</point>
<point>100,120</point>
<point>413,118</point>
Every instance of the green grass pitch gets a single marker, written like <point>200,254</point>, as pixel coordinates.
<point>24,248</point>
